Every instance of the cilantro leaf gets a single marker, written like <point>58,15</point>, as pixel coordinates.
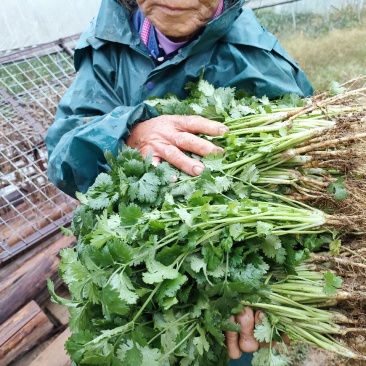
<point>250,174</point>
<point>331,283</point>
<point>201,342</point>
<point>126,291</point>
<point>206,88</point>
<point>338,190</point>
<point>102,193</point>
<point>250,275</point>
<point>166,173</point>
<point>150,356</point>
<point>108,228</point>
<point>129,214</point>
<point>267,356</point>
<point>133,356</point>
<point>197,263</point>
<point>185,216</point>
<point>76,343</point>
<point>336,88</point>
<point>59,300</point>
<point>112,302</point>
<point>264,228</point>
<point>99,353</point>
<point>270,245</point>
<point>213,162</point>
<point>237,231</point>
<point>79,318</point>
<point>263,331</point>
<point>134,168</point>
<point>334,246</point>
<point>158,272</point>
<point>146,189</point>
<point>169,287</point>
<point>130,354</point>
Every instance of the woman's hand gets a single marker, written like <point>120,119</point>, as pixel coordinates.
<point>167,137</point>
<point>243,341</point>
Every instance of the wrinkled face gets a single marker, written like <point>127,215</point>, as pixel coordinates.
<point>179,20</point>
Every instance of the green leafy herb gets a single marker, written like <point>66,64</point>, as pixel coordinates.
<point>164,259</point>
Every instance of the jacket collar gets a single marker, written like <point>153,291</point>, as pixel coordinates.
<point>114,23</point>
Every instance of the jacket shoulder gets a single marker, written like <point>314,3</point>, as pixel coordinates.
<point>87,39</point>
<point>246,30</point>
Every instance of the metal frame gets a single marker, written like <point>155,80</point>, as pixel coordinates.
<point>32,81</point>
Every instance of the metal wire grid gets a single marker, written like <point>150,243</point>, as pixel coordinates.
<point>32,82</point>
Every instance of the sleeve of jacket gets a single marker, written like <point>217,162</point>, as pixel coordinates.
<point>90,120</point>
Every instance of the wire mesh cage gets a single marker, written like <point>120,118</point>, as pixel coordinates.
<point>32,82</point>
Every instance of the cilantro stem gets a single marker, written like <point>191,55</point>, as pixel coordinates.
<point>190,331</point>
<point>281,309</point>
<point>319,340</point>
<point>177,321</point>
<point>153,292</point>
<point>316,326</point>
<point>297,288</point>
<point>227,266</point>
<point>111,333</point>
<point>126,327</point>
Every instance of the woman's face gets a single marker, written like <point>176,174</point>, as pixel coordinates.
<point>179,20</point>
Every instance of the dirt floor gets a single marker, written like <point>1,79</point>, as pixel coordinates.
<point>304,355</point>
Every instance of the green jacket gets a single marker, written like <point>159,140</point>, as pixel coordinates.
<point>115,75</point>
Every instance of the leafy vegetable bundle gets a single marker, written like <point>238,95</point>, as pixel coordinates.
<point>160,265</point>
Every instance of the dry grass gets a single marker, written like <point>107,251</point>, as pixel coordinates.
<point>339,55</point>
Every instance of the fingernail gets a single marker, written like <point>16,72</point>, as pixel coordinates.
<point>219,150</point>
<point>223,130</point>
<point>260,315</point>
<point>155,160</point>
<point>197,170</point>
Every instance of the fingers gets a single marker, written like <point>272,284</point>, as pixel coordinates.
<point>286,339</point>
<point>232,343</point>
<point>197,124</point>
<point>168,137</point>
<point>173,155</point>
<point>243,341</point>
<point>176,157</point>
<point>187,142</point>
<point>183,130</point>
<point>246,320</point>
<point>258,317</point>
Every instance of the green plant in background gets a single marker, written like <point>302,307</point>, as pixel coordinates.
<point>22,75</point>
<point>340,39</point>
<point>309,24</point>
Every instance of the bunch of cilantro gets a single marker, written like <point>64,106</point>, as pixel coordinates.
<point>161,265</point>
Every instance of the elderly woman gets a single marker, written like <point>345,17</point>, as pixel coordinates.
<point>136,49</point>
